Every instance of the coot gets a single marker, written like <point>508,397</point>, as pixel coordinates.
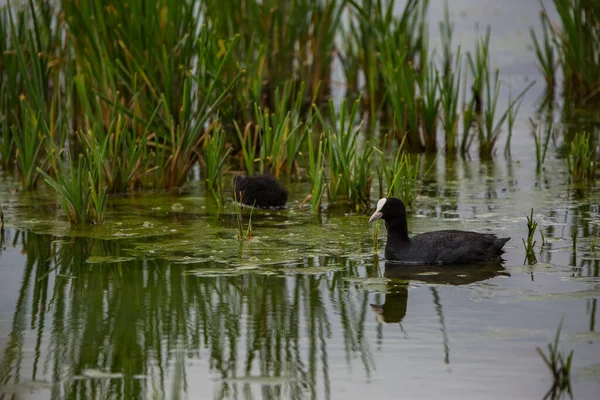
<point>439,247</point>
<point>262,191</point>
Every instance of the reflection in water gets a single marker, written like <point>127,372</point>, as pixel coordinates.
<point>393,310</point>
<point>124,329</point>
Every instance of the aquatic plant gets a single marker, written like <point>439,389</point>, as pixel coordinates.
<point>530,257</point>
<point>80,187</point>
<point>239,214</point>
<point>513,110</point>
<point>574,238</point>
<point>29,143</point>
<point>577,46</point>
<point>120,147</point>
<point>582,159</point>
<point>541,143</point>
<point>485,95</point>
<point>450,83</point>
<point>559,364</point>
<point>214,157</point>
<point>349,167</point>
<point>545,52</point>
<point>375,28</point>
<point>399,178</point>
<point>316,172</point>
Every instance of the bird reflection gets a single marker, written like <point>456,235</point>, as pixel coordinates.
<point>393,309</point>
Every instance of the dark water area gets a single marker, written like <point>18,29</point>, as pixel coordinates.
<point>164,301</point>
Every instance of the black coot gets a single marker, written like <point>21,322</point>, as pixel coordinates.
<point>439,247</point>
<point>261,191</point>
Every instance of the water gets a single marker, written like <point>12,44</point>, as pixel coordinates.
<point>157,300</point>
<point>163,301</point>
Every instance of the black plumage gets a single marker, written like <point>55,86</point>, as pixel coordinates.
<point>261,191</point>
<point>439,247</point>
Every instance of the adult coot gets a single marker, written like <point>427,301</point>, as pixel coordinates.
<point>439,247</point>
<point>262,191</point>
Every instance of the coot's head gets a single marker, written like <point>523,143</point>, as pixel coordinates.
<point>389,209</point>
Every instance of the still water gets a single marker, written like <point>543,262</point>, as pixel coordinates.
<point>163,301</point>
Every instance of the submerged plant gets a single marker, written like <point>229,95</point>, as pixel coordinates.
<point>559,365</point>
<point>530,257</point>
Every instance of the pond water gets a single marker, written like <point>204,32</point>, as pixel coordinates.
<point>163,300</point>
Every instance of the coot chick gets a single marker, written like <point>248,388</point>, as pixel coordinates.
<point>261,191</point>
<point>439,247</point>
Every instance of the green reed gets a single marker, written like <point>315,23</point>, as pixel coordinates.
<point>215,157</point>
<point>541,143</point>
<point>545,51</point>
<point>316,172</point>
<point>295,39</point>
<point>401,79</point>
<point>582,159</point>
<point>29,143</point>
<point>349,165</point>
<point>243,234</point>
<point>120,146</point>
<point>532,225</point>
<point>489,123</point>
<point>559,364</point>
<point>248,140</point>
<point>400,178</point>
<point>80,187</point>
<point>511,117</point>
<point>577,45</point>
<point>450,83</point>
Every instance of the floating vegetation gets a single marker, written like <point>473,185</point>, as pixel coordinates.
<point>107,259</point>
<point>559,365</point>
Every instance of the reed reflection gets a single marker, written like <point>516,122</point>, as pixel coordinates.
<point>107,328</point>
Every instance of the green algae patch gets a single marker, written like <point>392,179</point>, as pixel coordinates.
<point>107,259</point>
<point>261,380</point>
<point>97,374</point>
<point>311,270</point>
<point>589,373</point>
<point>579,295</point>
